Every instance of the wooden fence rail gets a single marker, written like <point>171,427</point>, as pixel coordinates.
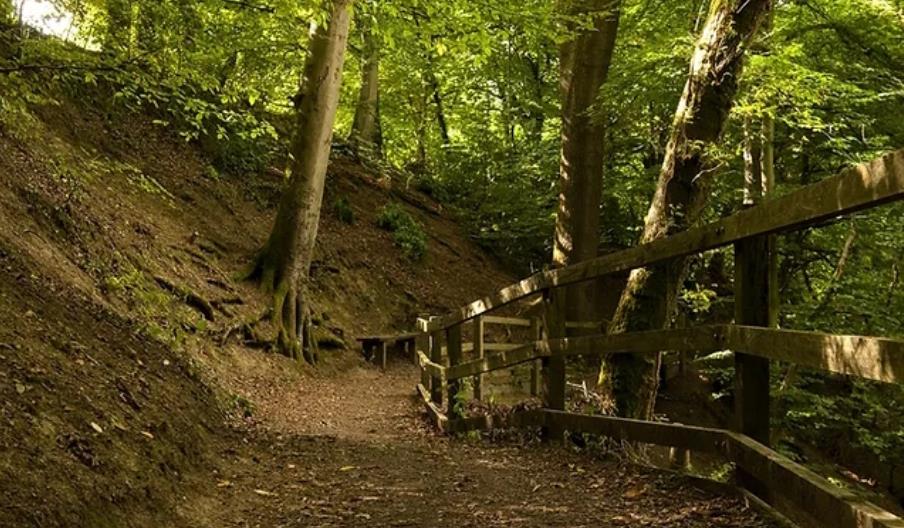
<point>874,358</point>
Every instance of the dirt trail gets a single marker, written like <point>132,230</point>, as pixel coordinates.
<point>354,450</point>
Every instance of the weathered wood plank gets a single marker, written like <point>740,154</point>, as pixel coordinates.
<point>436,415</point>
<point>584,325</point>
<point>857,188</point>
<point>453,345</point>
<point>866,357</point>
<point>389,338</point>
<point>506,321</point>
<point>552,387</point>
<point>497,361</point>
<point>435,370</point>
<point>708,338</point>
<point>830,504</point>
<point>422,345</point>
<point>701,338</point>
<point>665,434</point>
<point>531,418</point>
<point>479,353</point>
<point>752,307</point>
<point>536,370</point>
<point>501,347</point>
<point>437,390</point>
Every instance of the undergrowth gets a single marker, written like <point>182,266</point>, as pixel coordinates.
<point>408,234</point>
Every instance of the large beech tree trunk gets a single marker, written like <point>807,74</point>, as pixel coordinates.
<point>650,298</point>
<point>585,62</point>
<point>366,132</point>
<point>284,264</point>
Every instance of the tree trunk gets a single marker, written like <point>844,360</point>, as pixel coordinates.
<point>284,264</point>
<point>433,83</point>
<point>753,164</point>
<point>365,134</point>
<point>585,62</point>
<point>650,298</point>
<point>536,115</point>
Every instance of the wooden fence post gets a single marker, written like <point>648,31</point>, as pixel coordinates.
<point>537,366</point>
<point>422,344</point>
<point>754,306</point>
<point>454,353</point>
<point>436,356</point>
<point>479,354</point>
<point>553,393</point>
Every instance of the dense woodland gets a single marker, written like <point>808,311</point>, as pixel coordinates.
<point>553,132</point>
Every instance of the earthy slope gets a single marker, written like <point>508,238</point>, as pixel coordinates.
<point>114,377</point>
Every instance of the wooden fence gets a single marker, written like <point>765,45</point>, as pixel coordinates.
<point>755,344</point>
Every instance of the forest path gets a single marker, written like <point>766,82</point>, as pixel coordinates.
<point>354,450</point>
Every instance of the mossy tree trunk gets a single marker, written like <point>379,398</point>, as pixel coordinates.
<point>284,264</point>
<point>650,298</point>
<point>366,132</point>
<point>585,62</point>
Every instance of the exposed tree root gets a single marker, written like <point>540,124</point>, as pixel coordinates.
<point>291,315</point>
<point>191,298</point>
<point>247,330</point>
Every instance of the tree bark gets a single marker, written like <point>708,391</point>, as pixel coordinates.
<point>283,266</point>
<point>585,62</point>
<point>650,298</point>
<point>433,84</point>
<point>365,134</point>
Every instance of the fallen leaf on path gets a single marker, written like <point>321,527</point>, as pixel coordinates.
<point>265,493</point>
<point>96,427</point>
<point>348,468</point>
<point>224,484</point>
<point>634,493</point>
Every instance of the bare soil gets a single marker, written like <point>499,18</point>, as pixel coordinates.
<point>354,450</point>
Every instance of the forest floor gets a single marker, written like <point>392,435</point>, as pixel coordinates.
<point>353,449</point>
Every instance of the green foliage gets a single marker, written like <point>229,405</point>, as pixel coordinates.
<point>830,412</point>
<point>344,211</point>
<point>408,234</point>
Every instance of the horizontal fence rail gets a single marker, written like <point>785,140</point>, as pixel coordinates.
<point>873,358</point>
<point>857,188</point>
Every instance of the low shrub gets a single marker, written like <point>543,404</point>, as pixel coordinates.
<point>409,235</point>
